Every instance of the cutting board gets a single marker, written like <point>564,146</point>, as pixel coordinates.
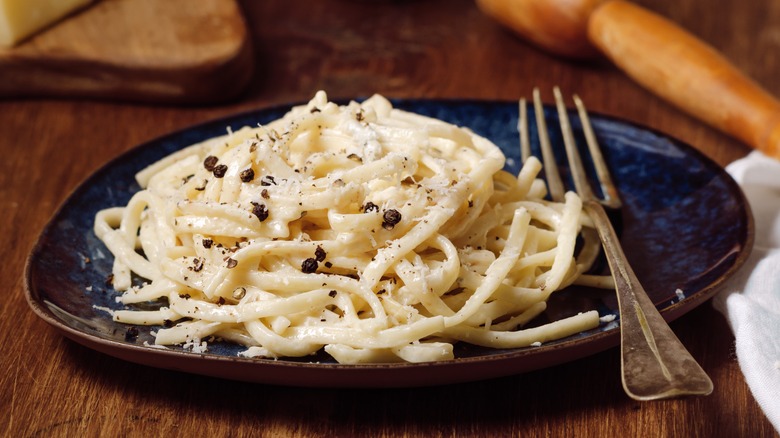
<point>168,51</point>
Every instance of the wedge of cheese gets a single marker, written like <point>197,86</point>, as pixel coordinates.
<point>20,19</point>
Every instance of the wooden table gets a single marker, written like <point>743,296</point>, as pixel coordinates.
<point>51,386</point>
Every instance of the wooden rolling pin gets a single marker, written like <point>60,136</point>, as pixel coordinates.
<point>657,54</point>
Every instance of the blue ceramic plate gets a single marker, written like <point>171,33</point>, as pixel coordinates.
<point>685,226</point>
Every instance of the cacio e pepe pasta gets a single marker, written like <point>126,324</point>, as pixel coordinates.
<point>370,232</point>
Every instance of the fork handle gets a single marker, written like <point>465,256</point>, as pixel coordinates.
<point>687,72</point>
<point>654,363</point>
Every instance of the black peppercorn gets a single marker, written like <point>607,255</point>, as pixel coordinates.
<point>260,210</point>
<point>309,266</point>
<point>247,175</point>
<point>391,218</point>
<point>210,162</point>
<point>219,170</point>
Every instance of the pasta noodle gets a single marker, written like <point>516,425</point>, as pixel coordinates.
<point>364,230</point>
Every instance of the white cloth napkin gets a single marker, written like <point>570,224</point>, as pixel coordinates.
<point>751,299</point>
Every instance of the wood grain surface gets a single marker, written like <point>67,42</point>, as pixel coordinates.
<point>50,386</point>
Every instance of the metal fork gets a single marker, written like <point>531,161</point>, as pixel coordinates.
<point>654,363</point>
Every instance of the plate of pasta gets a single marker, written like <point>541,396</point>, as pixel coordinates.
<point>373,243</point>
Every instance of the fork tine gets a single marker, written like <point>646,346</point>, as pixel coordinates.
<point>575,161</point>
<point>608,190</point>
<point>554,183</point>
